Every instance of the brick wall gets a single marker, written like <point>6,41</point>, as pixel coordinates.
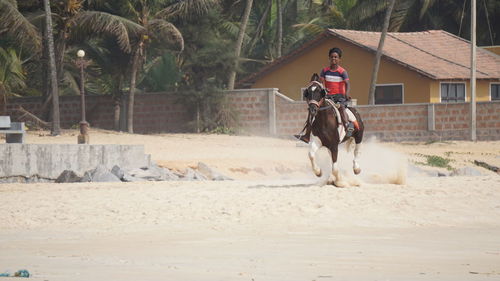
<point>267,112</point>
<point>252,107</point>
<point>153,112</point>
<point>425,122</point>
<point>408,122</point>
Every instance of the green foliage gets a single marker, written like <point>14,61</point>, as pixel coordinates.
<point>163,76</point>
<point>12,75</point>
<point>222,130</point>
<point>435,161</point>
<point>108,30</point>
<point>204,64</point>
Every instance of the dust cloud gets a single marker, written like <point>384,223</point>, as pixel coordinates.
<point>379,164</point>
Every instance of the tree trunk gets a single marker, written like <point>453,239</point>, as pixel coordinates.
<point>116,117</point>
<point>3,95</point>
<point>46,109</point>
<point>131,93</point>
<point>117,107</point>
<point>378,55</point>
<point>260,27</point>
<point>279,29</point>
<point>56,127</point>
<point>60,50</point>
<point>239,43</point>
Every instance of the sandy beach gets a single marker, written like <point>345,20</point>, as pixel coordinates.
<point>274,221</point>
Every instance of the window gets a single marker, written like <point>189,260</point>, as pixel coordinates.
<point>389,94</point>
<point>452,92</point>
<point>495,91</point>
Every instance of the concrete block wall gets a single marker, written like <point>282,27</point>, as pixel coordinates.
<point>404,122</point>
<point>160,113</point>
<point>154,112</point>
<point>488,120</point>
<point>252,107</point>
<point>395,122</point>
<point>267,112</point>
<point>290,115</point>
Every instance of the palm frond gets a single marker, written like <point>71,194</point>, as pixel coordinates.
<point>167,33</point>
<point>231,28</point>
<point>15,25</point>
<point>363,10</point>
<point>188,9</point>
<point>400,13</point>
<point>11,70</point>
<point>311,27</point>
<point>93,22</point>
<point>425,7</point>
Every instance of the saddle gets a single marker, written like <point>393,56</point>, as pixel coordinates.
<point>351,118</point>
<point>342,130</point>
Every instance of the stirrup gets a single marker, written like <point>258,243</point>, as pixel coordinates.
<point>350,127</point>
<point>302,138</point>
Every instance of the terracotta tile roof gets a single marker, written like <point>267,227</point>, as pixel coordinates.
<point>436,54</point>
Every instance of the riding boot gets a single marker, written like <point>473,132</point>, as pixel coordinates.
<point>306,136</point>
<point>345,119</point>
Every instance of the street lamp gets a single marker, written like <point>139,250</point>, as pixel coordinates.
<point>83,138</point>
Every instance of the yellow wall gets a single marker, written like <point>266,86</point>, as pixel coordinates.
<point>292,76</point>
<point>482,90</point>
<point>493,49</point>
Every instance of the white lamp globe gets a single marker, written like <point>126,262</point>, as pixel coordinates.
<point>80,53</point>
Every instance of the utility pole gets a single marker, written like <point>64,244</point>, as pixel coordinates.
<point>473,72</point>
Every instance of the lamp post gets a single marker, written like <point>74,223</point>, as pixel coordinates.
<point>83,137</point>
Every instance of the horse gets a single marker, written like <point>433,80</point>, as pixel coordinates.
<point>327,129</point>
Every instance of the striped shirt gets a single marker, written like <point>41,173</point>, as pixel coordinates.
<point>335,80</point>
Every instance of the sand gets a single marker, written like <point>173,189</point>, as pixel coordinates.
<point>274,221</point>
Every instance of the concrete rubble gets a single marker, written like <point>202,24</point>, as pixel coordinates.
<point>29,163</point>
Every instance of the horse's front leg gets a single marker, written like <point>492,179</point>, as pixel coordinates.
<point>314,145</point>
<point>335,177</point>
<point>355,166</point>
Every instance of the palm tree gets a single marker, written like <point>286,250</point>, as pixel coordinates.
<point>152,17</point>
<point>239,42</point>
<point>11,75</point>
<point>56,128</point>
<point>150,28</point>
<point>279,36</point>
<point>15,26</point>
<point>371,95</point>
<point>76,24</point>
<point>17,33</point>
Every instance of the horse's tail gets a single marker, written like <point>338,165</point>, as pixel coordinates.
<point>350,144</point>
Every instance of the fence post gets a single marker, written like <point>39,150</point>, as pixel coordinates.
<point>272,110</point>
<point>431,117</point>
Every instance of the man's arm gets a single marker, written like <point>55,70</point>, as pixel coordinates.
<point>347,89</point>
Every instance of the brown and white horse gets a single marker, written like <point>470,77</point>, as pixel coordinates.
<point>327,129</point>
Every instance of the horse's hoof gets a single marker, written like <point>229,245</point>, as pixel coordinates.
<point>318,173</point>
<point>339,184</point>
<point>357,171</point>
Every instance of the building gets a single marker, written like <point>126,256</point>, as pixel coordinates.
<point>416,67</point>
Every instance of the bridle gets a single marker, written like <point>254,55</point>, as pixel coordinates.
<point>312,101</point>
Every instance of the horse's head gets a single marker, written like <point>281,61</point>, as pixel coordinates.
<point>314,94</point>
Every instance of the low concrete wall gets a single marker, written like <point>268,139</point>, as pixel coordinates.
<point>49,160</point>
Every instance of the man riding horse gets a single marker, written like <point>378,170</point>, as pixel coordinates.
<point>336,82</point>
